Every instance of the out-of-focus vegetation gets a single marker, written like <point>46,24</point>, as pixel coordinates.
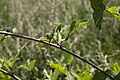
<point>36,18</point>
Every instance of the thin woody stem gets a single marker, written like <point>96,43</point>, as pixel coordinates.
<point>59,47</point>
<point>10,74</point>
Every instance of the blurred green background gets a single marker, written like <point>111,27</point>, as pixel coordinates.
<point>37,17</point>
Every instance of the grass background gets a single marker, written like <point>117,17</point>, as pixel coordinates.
<point>37,17</point>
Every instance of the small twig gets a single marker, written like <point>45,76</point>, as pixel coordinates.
<point>10,74</point>
<point>59,47</point>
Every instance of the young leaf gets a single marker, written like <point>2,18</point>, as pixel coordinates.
<point>84,74</point>
<point>59,67</point>
<point>115,67</point>
<point>11,63</point>
<point>31,65</point>
<point>98,8</point>
<point>55,74</point>
<point>61,32</point>
<point>114,11</point>
<point>77,25</point>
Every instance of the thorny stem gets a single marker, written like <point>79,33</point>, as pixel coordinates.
<point>59,47</point>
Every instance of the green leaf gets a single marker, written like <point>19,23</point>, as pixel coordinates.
<point>75,74</point>
<point>76,25</point>
<point>115,67</point>
<point>61,32</point>
<point>5,63</point>
<point>65,32</point>
<point>114,11</point>
<point>84,74</point>
<point>98,8</point>
<point>55,74</point>
<point>99,76</point>
<point>22,66</point>
<point>59,37</point>
<point>17,56</point>
<point>69,77</point>
<point>59,67</point>
<point>31,65</point>
<point>11,64</point>
<point>73,25</point>
<point>55,35</point>
<point>4,76</point>
<point>45,39</point>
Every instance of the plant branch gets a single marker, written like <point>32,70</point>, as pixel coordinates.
<point>10,74</point>
<point>59,47</point>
